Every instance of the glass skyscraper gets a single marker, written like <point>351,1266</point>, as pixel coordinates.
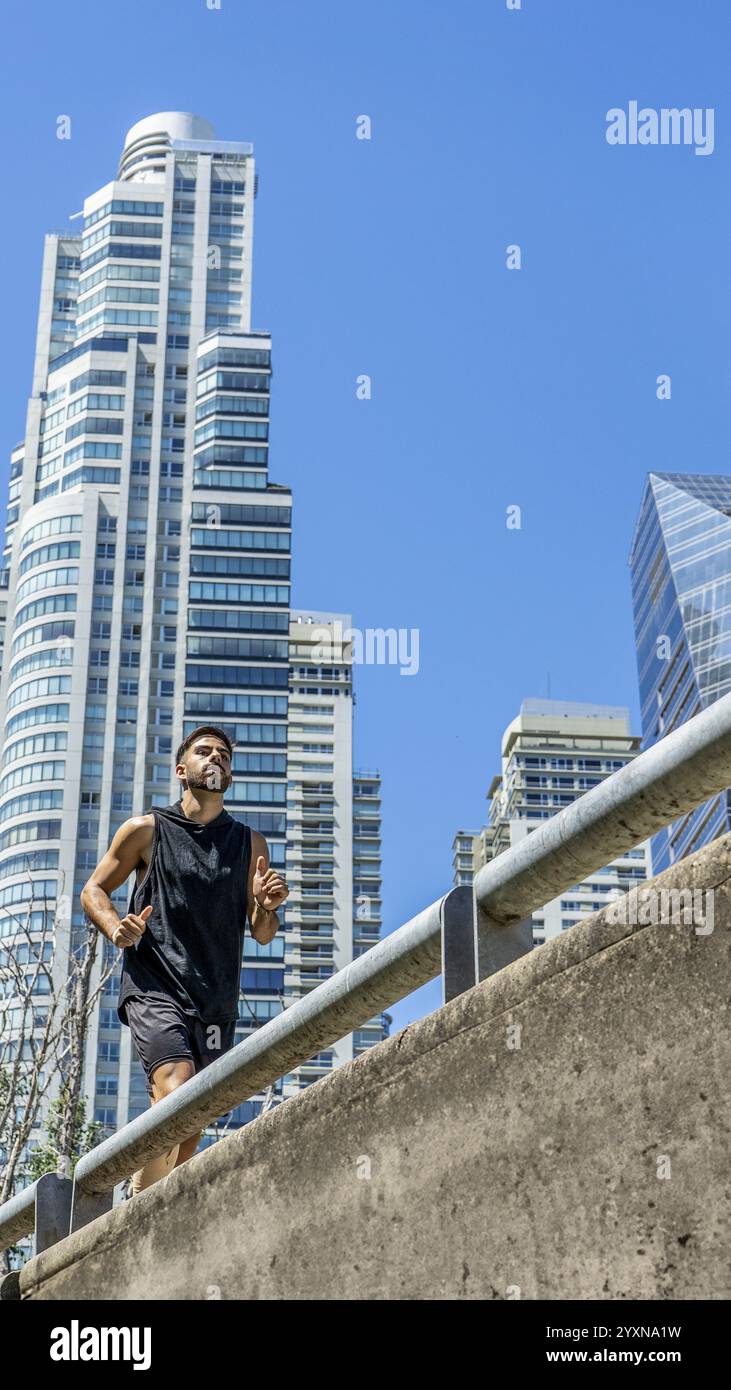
<point>680,563</point>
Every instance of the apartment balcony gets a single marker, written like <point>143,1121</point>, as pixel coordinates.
<point>306,919</point>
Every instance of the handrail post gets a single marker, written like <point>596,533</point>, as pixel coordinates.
<point>53,1210</point>
<point>497,944</point>
<point>458,956</point>
<point>475,945</point>
<point>10,1287</point>
<point>87,1206</point>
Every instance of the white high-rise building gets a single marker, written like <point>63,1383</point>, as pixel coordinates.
<point>367,901</point>
<point>554,752</point>
<point>333,831</point>
<point>147,564</point>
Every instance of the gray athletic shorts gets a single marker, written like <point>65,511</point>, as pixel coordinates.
<point>162,1032</point>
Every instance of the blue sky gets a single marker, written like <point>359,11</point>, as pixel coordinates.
<point>490,388</point>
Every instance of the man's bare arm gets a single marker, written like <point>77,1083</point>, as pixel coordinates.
<point>266,891</point>
<point>127,850</point>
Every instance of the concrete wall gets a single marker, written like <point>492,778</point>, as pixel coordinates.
<point>449,1164</point>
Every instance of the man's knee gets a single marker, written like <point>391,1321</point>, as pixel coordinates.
<point>164,1080</point>
<point>169,1075</point>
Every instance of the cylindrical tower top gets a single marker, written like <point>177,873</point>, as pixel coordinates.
<point>149,139</point>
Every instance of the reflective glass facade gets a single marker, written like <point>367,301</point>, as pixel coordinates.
<point>680,564</point>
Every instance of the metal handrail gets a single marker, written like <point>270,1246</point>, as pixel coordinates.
<point>17,1215</point>
<point>43,1206</point>
<point>466,935</point>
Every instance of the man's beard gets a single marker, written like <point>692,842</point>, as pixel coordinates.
<point>214,780</point>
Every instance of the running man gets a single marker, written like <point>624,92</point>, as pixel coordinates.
<point>199,873</point>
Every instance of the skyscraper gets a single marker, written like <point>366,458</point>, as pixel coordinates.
<point>367,903</point>
<point>680,564</point>
<point>554,752</point>
<point>146,550</point>
<point>319,820</point>
<point>333,831</point>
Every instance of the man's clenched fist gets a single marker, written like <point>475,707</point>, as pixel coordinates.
<point>269,887</point>
<point>130,928</point>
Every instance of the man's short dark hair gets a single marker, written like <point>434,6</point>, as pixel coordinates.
<point>203,729</point>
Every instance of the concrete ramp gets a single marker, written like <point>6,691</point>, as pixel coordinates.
<point>561,1131</point>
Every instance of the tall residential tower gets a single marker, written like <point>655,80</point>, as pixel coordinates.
<point>554,752</point>
<point>146,551</point>
<point>333,832</point>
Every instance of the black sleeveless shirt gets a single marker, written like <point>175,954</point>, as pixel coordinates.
<point>192,947</point>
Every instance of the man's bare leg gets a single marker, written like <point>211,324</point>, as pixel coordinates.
<point>164,1080</point>
<point>188,1148</point>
